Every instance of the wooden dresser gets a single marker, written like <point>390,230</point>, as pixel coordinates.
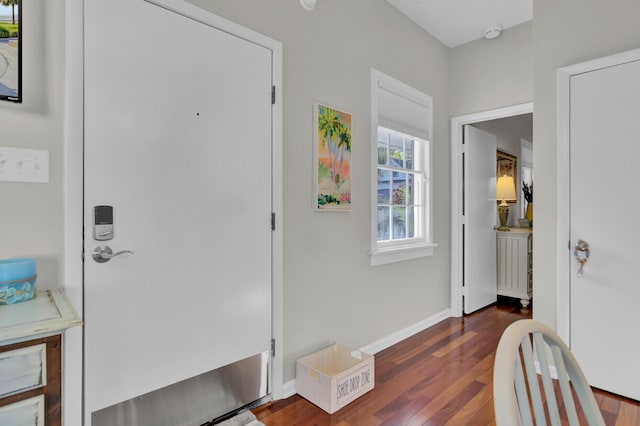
<point>31,359</point>
<point>514,262</point>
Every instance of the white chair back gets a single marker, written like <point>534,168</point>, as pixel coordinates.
<point>518,397</point>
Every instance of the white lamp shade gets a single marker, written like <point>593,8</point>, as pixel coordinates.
<point>506,188</point>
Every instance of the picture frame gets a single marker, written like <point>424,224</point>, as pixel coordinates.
<point>11,51</point>
<point>332,159</point>
<point>507,164</point>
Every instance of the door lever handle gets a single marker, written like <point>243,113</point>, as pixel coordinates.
<point>581,253</point>
<point>104,253</point>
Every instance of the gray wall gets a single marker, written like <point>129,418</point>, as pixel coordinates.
<point>565,33</point>
<point>509,131</point>
<point>490,74</point>
<point>330,291</point>
<point>31,214</point>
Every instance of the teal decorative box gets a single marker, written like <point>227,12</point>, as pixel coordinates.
<point>17,280</point>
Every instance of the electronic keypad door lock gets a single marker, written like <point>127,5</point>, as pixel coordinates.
<point>103,223</point>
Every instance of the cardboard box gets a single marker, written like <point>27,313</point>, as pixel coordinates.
<point>334,376</point>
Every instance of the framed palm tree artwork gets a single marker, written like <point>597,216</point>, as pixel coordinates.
<point>11,50</point>
<point>332,158</point>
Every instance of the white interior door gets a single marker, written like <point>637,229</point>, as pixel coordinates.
<point>480,219</point>
<point>604,150</point>
<point>178,141</point>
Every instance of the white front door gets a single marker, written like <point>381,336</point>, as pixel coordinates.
<point>480,219</point>
<point>178,124</point>
<point>604,174</point>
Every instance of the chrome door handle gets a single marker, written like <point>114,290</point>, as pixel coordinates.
<point>104,253</point>
<point>581,253</point>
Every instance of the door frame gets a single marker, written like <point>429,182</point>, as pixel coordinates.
<point>74,184</point>
<point>563,213</point>
<point>457,220</point>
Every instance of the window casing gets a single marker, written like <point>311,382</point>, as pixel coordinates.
<point>401,220</point>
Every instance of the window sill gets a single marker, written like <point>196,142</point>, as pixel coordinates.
<point>400,254</point>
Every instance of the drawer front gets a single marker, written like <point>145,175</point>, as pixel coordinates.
<point>22,369</point>
<point>28,412</point>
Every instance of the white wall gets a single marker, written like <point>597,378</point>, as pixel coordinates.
<point>491,74</point>
<point>31,215</point>
<point>331,293</point>
<point>508,132</point>
<point>565,33</point>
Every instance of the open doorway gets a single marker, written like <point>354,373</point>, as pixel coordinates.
<point>511,127</point>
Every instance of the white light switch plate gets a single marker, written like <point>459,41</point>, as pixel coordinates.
<point>24,165</point>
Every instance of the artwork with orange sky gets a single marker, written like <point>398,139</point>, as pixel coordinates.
<point>333,154</point>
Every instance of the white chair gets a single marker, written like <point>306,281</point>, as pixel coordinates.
<point>520,401</point>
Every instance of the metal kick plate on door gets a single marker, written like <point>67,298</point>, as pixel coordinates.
<point>204,397</point>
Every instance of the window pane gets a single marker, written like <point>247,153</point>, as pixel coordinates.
<point>384,186</point>
<point>399,188</point>
<point>411,188</point>
<point>408,149</point>
<point>383,158</point>
<point>411,215</point>
<point>399,222</point>
<point>383,223</point>
<point>383,135</point>
<point>383,147</point>
<point>396,151</point>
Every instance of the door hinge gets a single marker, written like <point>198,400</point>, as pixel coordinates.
<point>273,221</point>
<point>273,95</point>
<point>273,347</point>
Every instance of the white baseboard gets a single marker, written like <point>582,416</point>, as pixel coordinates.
<point>400,335</point>
<point>289,388</point>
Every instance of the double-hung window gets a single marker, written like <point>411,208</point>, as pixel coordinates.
<point>401,225</point>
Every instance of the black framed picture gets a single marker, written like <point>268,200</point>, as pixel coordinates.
<point>11,50</point>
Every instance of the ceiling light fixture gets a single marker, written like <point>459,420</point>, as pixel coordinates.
<point>491,32</point>
<point>308,4</point>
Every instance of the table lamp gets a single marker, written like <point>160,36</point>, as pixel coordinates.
<point>505,190</point>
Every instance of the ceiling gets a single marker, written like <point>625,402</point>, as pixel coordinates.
<point>455,22</point>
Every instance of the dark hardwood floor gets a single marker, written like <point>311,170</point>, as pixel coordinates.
<point>441,376</point>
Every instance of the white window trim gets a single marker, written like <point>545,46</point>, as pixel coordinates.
<point>390,252</point>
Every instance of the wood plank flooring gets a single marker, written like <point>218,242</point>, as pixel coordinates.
<point>441,376</point>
